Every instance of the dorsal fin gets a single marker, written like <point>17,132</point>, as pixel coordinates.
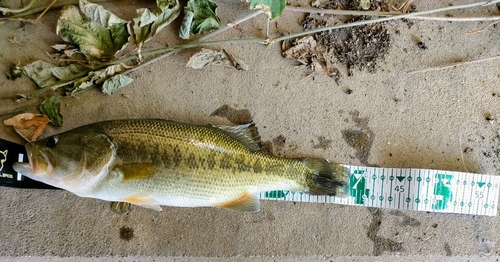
<point>246,134</point>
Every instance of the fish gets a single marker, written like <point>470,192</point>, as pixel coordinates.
<point>153,163</point>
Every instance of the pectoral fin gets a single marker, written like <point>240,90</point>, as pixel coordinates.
<point>143,201</point>
<point>247,202</point>
<point>136,171</point>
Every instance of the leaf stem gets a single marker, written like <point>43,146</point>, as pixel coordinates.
<point>185,46</point>
<point>8,10</point>
<point>35,10</point>
<point>383,19</point>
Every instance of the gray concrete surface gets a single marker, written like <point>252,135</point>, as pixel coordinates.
<point>427,120</point>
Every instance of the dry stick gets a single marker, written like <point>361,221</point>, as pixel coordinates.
<point>481,29</point>
<point>453,65</point>
<point>46,9</point>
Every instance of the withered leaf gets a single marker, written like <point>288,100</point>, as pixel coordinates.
<point>29,126</point>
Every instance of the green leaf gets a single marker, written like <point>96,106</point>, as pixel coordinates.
<point>199,15</point>
<point>99,14</point>
<point>52,108</point>
<point>116,82</point>
<point>99,33</point>
<point>95,78</point>
<point>46,74</point>
<point>272,8</point>
<point>148,23</point>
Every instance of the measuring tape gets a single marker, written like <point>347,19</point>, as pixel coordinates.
<point>411,189</point>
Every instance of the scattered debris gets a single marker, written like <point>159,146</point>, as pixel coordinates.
<point>421,45</point>
<point>15,71</point>
<point>210,57</point>
<point>355,47</point>
<point>314,57</point>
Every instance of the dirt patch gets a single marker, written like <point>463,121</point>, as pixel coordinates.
<point>276,147</point>
<point>359,137</point>
<point>235,116</point>
<point>126,233</point>
<point>360,47</point>
<point>380,244</point>
<point>323,143</point>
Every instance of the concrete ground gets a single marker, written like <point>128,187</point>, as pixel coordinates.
<point>445,119</point>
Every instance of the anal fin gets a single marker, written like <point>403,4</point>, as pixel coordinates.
<point>143,201</point>
<point>247,203</point>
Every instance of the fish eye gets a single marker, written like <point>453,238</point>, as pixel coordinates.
<point>52,141</point>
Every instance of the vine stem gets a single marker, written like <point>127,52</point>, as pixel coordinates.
<point>8,10</point>
<point>35,10</point>
<point>377,13</point>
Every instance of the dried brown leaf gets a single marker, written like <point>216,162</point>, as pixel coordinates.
<point>302,50</point>
<point>29,126</point>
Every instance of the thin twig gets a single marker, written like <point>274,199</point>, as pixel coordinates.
<point>405,6</point>
<point>46,9</point>
<point>481,29</point>
<point>454,65</point>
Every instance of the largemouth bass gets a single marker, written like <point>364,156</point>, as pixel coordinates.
<point>157,162</point>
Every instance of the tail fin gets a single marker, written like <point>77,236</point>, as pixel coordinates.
<point>327,178</point>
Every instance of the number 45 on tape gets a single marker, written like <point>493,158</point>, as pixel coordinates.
<point>412,189</point>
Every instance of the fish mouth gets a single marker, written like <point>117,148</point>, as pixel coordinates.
<point>39,160</point>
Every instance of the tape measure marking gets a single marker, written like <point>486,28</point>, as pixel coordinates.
<point>411,189</point>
